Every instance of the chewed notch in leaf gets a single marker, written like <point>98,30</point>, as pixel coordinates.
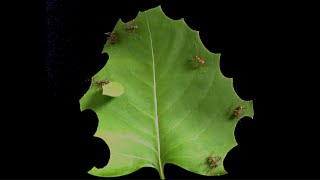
<point>172,110</point>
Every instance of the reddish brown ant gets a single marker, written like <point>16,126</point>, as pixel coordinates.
<point>100,82</point>
<point>112,36</point>
<point>199,60</point>
<point>214,161</point>
<point>238,111</point>
<point>131,27</point>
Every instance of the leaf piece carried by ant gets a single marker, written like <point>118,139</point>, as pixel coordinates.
<point>113,89</point>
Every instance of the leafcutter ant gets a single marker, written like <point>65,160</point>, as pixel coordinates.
<point>214,161</point>
<point>131,27</point>
<point>112,37</point>
<point>198,62</point>
<point>237,112</point>
<point>100,82</point>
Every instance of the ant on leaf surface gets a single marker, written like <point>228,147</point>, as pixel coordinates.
<point>198,61</point>
<point>131,28</point>
<point>238,111</point>
<point>112,36</point>
<point>100,82</point>
<point>109,88</point>
<point>212,162</point>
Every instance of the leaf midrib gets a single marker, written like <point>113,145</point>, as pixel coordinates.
<point>155,99</point>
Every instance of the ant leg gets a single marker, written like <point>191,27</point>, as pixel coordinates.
<point>94,80</point>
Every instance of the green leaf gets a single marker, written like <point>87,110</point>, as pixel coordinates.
<point>177,106</point>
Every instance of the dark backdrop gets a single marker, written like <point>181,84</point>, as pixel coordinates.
<point>248,36</point>
<point>255,40</point>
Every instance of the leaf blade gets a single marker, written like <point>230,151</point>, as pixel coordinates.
<point>165,98</point>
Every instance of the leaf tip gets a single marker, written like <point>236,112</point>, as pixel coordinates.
<point>251,107</point>
<point>120,21</point>
<point>159,7</point>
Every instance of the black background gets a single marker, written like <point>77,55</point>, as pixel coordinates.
<point>261,45</point>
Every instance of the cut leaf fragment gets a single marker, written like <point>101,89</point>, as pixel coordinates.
<point>113,89</point>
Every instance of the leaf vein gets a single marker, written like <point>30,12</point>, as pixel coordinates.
<point>137,76</point>
<point>197,136</point>
<point>155,98</point>
<point>134,156</point>
<point>139,109</point>
<point>180,96</point>
<point>131,124</point>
